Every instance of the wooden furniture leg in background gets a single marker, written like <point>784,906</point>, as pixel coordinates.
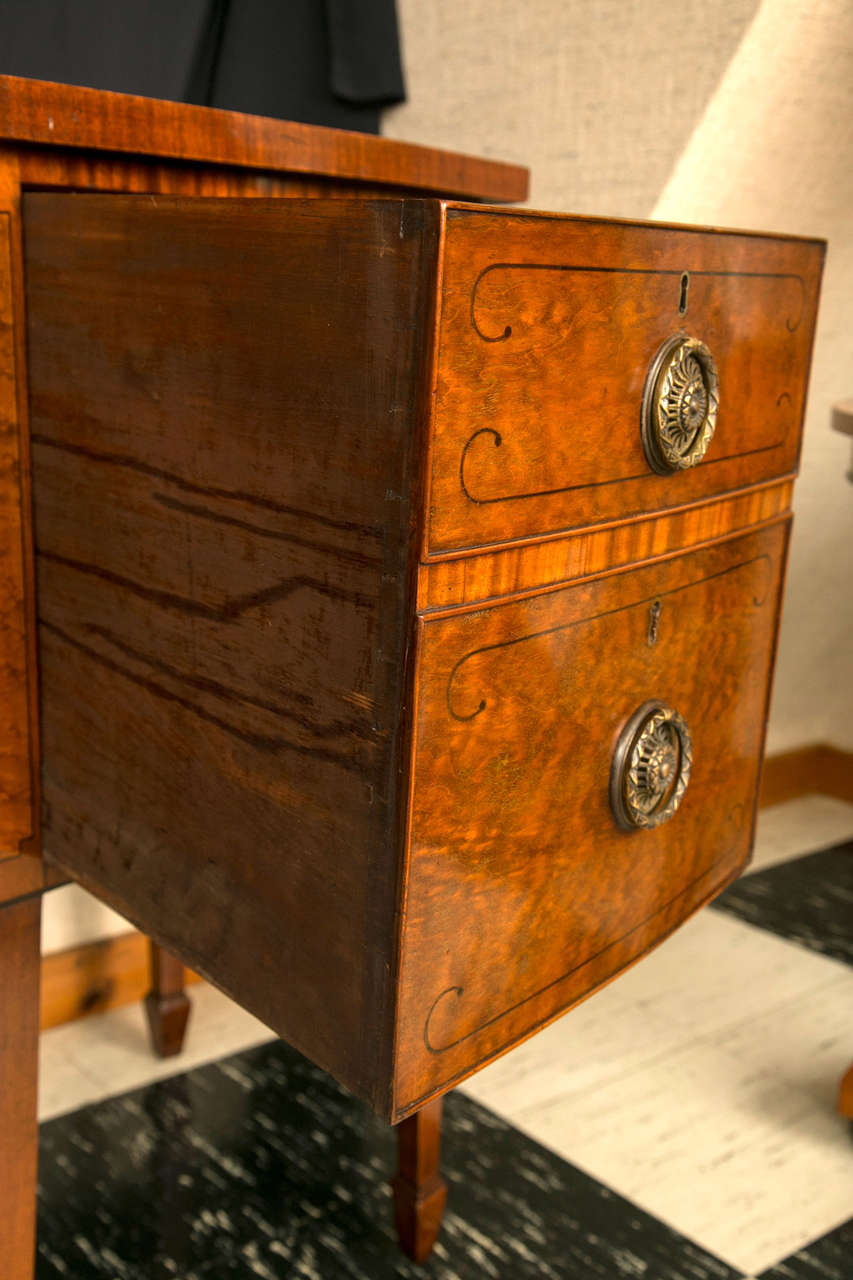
<point>19,1027</point>
<point>420,1191</point>
<point>167,1005</point>
<point>845,1095</point>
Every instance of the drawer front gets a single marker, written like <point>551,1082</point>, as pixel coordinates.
<point>524,892</point>
<point>548,330</point>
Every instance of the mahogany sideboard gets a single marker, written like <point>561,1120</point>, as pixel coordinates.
<point>391,583</point>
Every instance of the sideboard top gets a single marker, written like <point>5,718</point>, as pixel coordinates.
<point>36,111</point>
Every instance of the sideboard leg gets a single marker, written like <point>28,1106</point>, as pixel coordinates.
<point>20,964</point>
<point>845,1094</point>
<point>167,1005</point>
<point>419,1189</point>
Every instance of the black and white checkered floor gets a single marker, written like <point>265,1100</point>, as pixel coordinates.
<point>680,1125</point>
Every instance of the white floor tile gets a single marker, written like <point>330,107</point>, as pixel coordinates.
<point>109,1053</point>
<point>724,1124</point>
<point>789,830</point>
<point>807,1043</point>
<point>717,971</point>
<point>730,1157</point>
<point>63,1084</point>
<point>602,1039</point>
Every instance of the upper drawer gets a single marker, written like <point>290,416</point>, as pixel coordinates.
<point>549,327</point>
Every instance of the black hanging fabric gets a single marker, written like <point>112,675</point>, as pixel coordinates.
<point>331,62</point>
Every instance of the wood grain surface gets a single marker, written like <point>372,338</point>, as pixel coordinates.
<point>15,781</point>
<point>225,417</point>
<point>19,1004</point>
<point>61,168</point>
<point>167,1005</point>
<point>420,1192</point>
<point>548,327</point>
<point>58,115</point>
<point>456,582</point>
<point>24,166</point>
<point>20,864</point>
<point>523,894</point>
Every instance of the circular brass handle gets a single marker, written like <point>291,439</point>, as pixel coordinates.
<point>680,403</point>
<point>651,767</point>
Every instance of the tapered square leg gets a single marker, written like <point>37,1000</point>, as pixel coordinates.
<point>845,1094</point>
<point>420,1192</point>
<point>167,1005</point>
<point>20,964</point>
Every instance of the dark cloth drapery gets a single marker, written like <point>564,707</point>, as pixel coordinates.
<point>332,62</point>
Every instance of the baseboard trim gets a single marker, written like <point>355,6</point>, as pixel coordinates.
<point>95,977</point>
<point>817,769</point>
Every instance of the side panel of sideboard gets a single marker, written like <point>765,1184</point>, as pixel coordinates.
<point>224,401</point>
<point>20,862</point>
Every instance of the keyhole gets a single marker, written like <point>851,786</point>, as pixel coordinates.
<point>654,620</point>
<point>682,302</point>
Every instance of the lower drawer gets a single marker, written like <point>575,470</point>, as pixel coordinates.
<point>547,729</point>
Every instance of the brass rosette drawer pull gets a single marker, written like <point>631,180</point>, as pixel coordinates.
<point>680,403</point>
<point>651,767</point>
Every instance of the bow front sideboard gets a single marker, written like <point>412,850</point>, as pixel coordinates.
<point>390,583</point>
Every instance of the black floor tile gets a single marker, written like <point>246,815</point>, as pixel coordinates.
<point>260,1166</point>
<point>808,900</point>
<point>829,1258</point>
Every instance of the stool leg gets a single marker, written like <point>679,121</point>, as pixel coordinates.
<point>167,1006</point>
<point>20,968</point>
<point>420,1191</point>
<point>845,1094</point>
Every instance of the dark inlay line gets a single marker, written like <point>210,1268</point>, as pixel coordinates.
<point>205,685</point>
<point>586,484</point>
<point>189,486</point>
<point>580,269</point>
<point>268,743</point>
<point>757,600</point>
<point>448,1083</point>
<point>227,612</point>
<point>437,1050</point>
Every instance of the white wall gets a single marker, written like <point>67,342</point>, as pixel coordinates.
<point>774,149</point>
<point>70,917</point>
<point>732,113</point>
